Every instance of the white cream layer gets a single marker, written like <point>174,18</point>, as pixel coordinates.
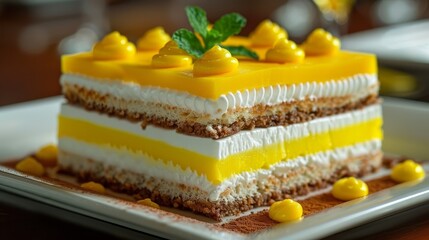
<point>240,142</point>
<point>140,163</point>
<point>358,86</point>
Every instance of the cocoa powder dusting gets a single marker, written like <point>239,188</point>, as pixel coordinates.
<point>261,221</point>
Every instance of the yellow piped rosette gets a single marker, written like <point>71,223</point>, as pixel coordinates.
<point>285,211</point>
<point>267,34</point>
<point>114,46</point>
<point>407,171</point>
<point>153,40</point>
<point>349,188</point>
<point>171,56</point>
<point>285,51</point>
<point>215,61</point>
<point>321,42</point>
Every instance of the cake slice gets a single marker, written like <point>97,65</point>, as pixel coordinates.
<point>216,134</point>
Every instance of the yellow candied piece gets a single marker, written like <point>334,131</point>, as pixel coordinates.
<point>407,171</point>
<point>47,155</point>
<point>349,188</point>
<point>93,186</point>
<point>321,42</point>
<point>171,56</point>
<point>31,166</point>
<point>215,61</point>
<point>285,51</point>
<point>114,46</point>
<point>153,40</point>
<point>148,202</point>
<point>285,211</point>
<point>267,34</point>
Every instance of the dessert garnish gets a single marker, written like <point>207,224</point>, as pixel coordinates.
<point>228,25</point>
<point>148,202</point>
<point>93,186</point>
<point>171,56</point>
<point>216,61</point>
<point>285,51</point>
<point>47,155</point>
<point>349,188</point>
<point>407,171</point>
<point>285,211</point>
<point>31,166</point>
<point>321,42</point>
<point>114,46</point>
<point>154,39</point>
<point>267,34</point>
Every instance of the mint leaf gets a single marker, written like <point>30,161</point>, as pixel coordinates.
<point>241,51</point>
<point>229,24</point>
<point>187,41</point>
<point>213,38</point>
<point>198,20</point>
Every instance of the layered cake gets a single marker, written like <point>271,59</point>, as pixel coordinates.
<point>203,130</point>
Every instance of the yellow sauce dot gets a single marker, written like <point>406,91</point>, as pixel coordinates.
<point>215,61</point>
<point>153,40</point>
<point>286,210</point>
<point>267,34</point>
<point>407,171</point>
<point>114,46</point>
<point>285,51</point>
<point>93,186</point>
<point>47,155</point>
<point>30,166</point>
<point>321,42</point>
<point>171,56</point>
<point>349,188</point>
<point>148,202</point>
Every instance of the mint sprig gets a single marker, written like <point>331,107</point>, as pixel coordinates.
<point>228,25</point>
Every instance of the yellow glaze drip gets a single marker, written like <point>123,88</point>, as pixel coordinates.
<point>407,171</point>
<point>285,51</point>
<point>114,46</point>
<point>321,42</point>
<point>153,40</point>
<point>267,34</point>
<point>47,155</point>
<point>349,188</point>
<point>217,170</point>
<point>171,56</point>
<point>285,211</point>
<point>215,61</point>
<point>148,202</point>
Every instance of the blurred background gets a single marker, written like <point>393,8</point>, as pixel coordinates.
<point>34,34</point>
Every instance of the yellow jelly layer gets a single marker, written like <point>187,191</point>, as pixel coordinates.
<point>214,169</point>
<point>250,74</point>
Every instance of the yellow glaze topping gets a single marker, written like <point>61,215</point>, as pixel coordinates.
<point>267,34</point>
<point>285,211</point>
<point>285,51</point>
<point>407,171</point>
<point>349,188</point>
<point>171,56</point>
<point>93,186</point>
<point>216,170</point>
<point>148,202</point>
<point>153,40</point>
<point>114,46</point>
<point>321,42</point>
<point>249,74</point>
<point>30,166</point>
<point>215,61</point>
<point>47,155</point>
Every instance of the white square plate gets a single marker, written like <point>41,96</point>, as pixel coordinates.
<point>26,127</point>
